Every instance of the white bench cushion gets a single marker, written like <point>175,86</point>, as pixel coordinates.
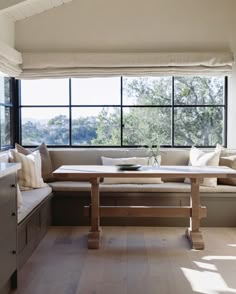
<point>32,198</point>
<point>170,187</point>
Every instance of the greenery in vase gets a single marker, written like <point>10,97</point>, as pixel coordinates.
<point>153,150</point>
<point>152,142</point>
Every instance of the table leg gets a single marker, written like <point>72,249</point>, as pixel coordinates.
<point>94,235</point>
<point>193,233</point>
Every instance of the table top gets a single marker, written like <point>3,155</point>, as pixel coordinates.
<point>95,171</point>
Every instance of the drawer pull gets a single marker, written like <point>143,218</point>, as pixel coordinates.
<point>13,185</point>
<point>13,214</point>
<point>13,252</point>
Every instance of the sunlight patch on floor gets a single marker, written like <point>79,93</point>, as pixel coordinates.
<point>206,266</point>
<point>206,282</point>
<point>217,257</point>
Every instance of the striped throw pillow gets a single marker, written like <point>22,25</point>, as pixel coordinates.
<point>30,174</point>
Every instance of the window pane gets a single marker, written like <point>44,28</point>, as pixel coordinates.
<point>5,115</point>
<point>5,94</point>
<point>95,91</point>
<point>147,91</point>
<point>45,92</point>
<point>199,90</point>
<point>49,125</point>
<point>96,126</point>
<point>202,126</point>
<point>143,126</point>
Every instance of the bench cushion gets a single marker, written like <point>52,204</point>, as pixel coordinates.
<point>31,199</point>
<point>170,187</point>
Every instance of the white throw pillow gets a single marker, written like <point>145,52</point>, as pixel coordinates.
<point>30,174</point>
<point>129,160</point>
<point>198,157</point>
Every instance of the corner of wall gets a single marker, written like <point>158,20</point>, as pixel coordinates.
<point>7,31</point>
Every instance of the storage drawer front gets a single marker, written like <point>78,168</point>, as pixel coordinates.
<point>8,190</point>
<point>7,256</point>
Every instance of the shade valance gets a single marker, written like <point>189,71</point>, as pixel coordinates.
<point>53,65</point>
<point>10,60</point>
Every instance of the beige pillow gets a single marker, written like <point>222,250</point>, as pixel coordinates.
<point>198,157</point>
<point>30,175</point>
<point>45,157</point>
<point>229,161</point>
<point>129,160</point>
<point>224,151</point>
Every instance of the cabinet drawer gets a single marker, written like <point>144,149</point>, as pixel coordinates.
<point>7,256</point>
<point>8,218</point>
<point>8,190</point>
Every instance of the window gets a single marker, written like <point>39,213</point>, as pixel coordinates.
<point>6,110</point>
<point>124,111</point>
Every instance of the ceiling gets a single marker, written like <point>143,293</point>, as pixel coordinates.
<point>21,9</point>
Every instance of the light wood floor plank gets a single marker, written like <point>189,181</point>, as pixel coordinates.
<point>139,260</point>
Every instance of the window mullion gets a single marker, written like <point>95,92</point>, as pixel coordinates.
<point>225,110</point>
<point>172,113</point>
<point>121,112</point>
<point>70,115</point>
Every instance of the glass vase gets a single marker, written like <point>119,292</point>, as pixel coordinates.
<point>154,161</point>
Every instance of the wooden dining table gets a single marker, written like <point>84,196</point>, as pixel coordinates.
<point>195,212</point>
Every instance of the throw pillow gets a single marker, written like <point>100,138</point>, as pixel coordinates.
<point>129,160</point>
<point>45,157</point>
<point>224,151</point>
<point>229,161</point>
<point>30,175</point>
<point>198,157</point>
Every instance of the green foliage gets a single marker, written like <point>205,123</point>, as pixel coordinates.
<point>147,90</point>
<point>108,128</point>
<point>84,129</point>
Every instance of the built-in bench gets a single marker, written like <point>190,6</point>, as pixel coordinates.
<point>34,218</point>
<point>70,197</point>
<point>62,202</point>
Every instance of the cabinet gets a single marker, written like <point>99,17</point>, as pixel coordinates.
<point>8,230</point>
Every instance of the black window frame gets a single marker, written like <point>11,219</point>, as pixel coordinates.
<point>18,135</point>
<point>12,105</point>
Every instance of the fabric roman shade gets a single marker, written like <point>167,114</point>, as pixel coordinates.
<point>10,60</point>
<point>52,65</point>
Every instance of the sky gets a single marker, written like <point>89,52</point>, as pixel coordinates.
<point>56,91</point>
<point>90,91</point>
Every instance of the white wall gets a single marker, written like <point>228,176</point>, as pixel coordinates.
<point>7,31</point>
<point>136,25</point>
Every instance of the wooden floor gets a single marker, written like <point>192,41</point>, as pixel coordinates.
<point>132,260</point>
